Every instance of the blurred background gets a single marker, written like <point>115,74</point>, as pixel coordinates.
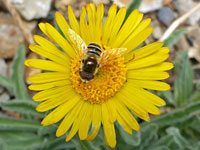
<point>175,22</point>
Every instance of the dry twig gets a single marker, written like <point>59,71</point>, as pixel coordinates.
<point>177,22</point>
<point>27,34</point>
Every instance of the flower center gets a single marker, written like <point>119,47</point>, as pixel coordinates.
<point>107,81</point>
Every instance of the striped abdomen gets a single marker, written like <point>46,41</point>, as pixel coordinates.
<point>94,49</point>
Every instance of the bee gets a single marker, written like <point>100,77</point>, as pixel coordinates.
<point>91,56</point>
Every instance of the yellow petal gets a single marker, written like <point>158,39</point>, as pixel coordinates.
<point>143,75</point>
<point>147,61</point>
<point>108,24</point>
<point>72,19</point>
<point>117,24</point>
<point>59,40</point>
<point>85,122</point>
<point>141,100</point>
<point>127,116</point>
<point>124,125</point>
<point>45,65</point>
<point>69,119</point>
<point>164,66</point>
<point>44,86</point>
<point>54,102</point>
<point>152,85</point>
<point>51,48</point>
<point>98,27</point>
<point>109,129</point>
<point>147,50</point>
<point>58,113</point>
<point>48,77</point>
<point>131,23</point>
<point>62,23</point>
<point>137,39</point>
<point>112,110</point>
<point>77,122</point>
<point>50,93</point>
<point>84,27</point>
<point>47,54</point>
<point>137,110</point>
<point>96,122</point>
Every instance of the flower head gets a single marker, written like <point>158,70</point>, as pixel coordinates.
<point>98,78</point>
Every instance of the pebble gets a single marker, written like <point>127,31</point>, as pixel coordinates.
<point>32,9</point>
<point>4,97</point>
<point>10,36</point>
<point>166,15</point>
<point>183,6</point>
<point>3,66</point>
<point>150,5</point>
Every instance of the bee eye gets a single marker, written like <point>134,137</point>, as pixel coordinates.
<point>83,61</point>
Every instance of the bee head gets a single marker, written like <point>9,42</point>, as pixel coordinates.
<point>86,76</point>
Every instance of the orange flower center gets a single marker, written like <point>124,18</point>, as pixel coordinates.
<point>107,81</point>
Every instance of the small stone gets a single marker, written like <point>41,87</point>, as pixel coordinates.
<point>4,97</point>
<point>10,36</point>
<point>166,15</point>
<point>150,5</point>
<point>32,9</point>
<point>3,66</point>
<point>184,6</point>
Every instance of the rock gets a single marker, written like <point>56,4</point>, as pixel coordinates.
<point>183,6</point>
<point>3,66</point>
<point>4,97</point>
<point>166,16</point>
<point>32,9</point>
<point>150,5</point>
<point>10,36</point>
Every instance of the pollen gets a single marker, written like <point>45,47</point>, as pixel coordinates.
<point>108,80</point>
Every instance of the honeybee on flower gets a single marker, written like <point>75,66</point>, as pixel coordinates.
<point>99,78</point>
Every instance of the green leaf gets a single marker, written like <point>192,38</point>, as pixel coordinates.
<point>167,95</point>
<point>22,106</point>
<point>133,139</point>
<point>179,115</point>
<point>134,5</point>
<point>51,129</point>
<point>160,148</point>
<point>13,135</point>
<point>174,37</point>
<point>147,134</point>
<point>5,82</point>
<point>11,124</point>
<point>60,144</point>
<point>3,145</point>
<point>183,85</point>
<point>30,144</point>
<point>17,75</point>
<point>178,138</point>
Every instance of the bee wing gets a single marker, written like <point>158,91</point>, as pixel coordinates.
<point>118,52</point>
<point>77,43</point>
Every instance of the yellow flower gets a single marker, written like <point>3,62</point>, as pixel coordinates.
<point>119,84</point>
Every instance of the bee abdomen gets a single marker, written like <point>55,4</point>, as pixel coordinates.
<point>95,49</point>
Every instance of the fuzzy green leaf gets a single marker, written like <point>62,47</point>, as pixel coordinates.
<point>30,144</point>
<point>133,139</point>
<point>183,85</point>
<point>174,37</point>
<point>22,106</point>
<point>179,115</point>
<point>134,5</point>
<point>17,75</point>
<point>5,82</point>
<point>11,124</point>
<point>178,138</point>
<point>51,129</point>
<point>19,135</point>
<point>3,145</point>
